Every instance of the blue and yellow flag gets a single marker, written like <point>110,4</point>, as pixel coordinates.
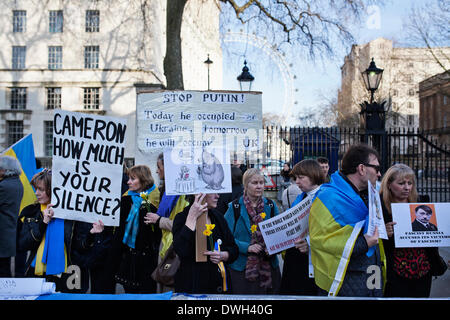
<point>23,151</point>
<point>337,216</point>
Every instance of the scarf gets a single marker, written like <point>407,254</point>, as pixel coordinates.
<point>51,257</point>
<point>132,222</point>
<point>258,266</point>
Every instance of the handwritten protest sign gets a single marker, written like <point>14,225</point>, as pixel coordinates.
<point>198,119</point>
<point>281,231</point>
<point>88,152</point>
<point>421,224</point>
<point>375,213</point>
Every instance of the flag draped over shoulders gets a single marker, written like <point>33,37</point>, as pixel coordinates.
<point>23,151</point>
<point>337,216</point>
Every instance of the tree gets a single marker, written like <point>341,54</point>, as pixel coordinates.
<point>427,26</point>
<point>319,26</point>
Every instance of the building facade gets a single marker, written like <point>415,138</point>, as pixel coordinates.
<point>434,94</point>
<point>404,69</point>
<point>93,57</point>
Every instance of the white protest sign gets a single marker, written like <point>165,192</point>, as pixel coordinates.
<point>205,170</point>
<point>281,231</point>
<point>375,213</point>
<point>198,119</point>
<point>88,152</point>
<point>421,224</point>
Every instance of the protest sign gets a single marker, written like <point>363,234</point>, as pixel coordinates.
<point>421,224</point>
<point>88,152</point>
<point>198,119</point>
<point>375,213</point>
<point>281,231</point>
<point>201,170</point>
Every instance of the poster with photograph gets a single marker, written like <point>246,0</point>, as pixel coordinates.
<point>281,231</point>
<point>88,154</point>
<point>197,170</point>
<point>375,213</point>
<point>421,224</point>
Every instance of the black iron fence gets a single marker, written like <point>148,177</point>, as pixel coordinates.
<point>413,147</point>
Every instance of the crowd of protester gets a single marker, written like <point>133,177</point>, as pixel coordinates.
<point>333,259</point>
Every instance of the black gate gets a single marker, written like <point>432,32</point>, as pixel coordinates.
<point>420,151</point>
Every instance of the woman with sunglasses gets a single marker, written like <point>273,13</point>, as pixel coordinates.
<point>57,244</point>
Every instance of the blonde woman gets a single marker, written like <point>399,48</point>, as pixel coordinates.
<point>254,271</point>
<point>408,269</point>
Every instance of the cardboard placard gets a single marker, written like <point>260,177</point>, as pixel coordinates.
<point>200,239</point>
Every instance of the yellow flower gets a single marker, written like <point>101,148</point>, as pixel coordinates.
<point>253,228</point>
<point>207,232</point>
<point>210,226</point>
<point>263,215</point>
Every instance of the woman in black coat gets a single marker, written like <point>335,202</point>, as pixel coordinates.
<point>135,247</point>
<point>202,277</point>
<point>82,243</point>
<point>11,191</point>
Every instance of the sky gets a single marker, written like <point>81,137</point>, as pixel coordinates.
<point>314,81</point>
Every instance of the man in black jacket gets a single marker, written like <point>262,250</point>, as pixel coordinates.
<point>422,221</point>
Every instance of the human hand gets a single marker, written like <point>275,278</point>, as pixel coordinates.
<point>48,214</point>
<point>151,217</point>
<point>301,245</point>
<point>372,240</point>
<point>390,228</point>
<point>196,210</point>
<point>217,256</point>
<point>97,227</point>
<point>255,248</point>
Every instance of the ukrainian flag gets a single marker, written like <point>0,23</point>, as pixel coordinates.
<point>23,151</point>
<point>337,216</point>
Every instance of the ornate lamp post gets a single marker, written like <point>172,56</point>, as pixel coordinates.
<point>372,78</point>
<point>245,78</point>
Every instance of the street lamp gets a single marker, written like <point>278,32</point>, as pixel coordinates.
<point>208,62</point>
<point>245,78</point>
<point>372,78</point>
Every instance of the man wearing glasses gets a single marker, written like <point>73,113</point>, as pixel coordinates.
<point>342,253</point>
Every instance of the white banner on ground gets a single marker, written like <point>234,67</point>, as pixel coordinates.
<point>421,224</point>
<point>281,231</point>
<point>88,154</point>
<point>25,287</point>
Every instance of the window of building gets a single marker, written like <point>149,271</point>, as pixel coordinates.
<point>56,21</point>
<point>409,78</point>
<point>14,131</point>
<point>19,21</point>
<point>445,100</point>
<point>410,105</point>
<point>92,20</point>
<point>410,120</point>
<point>48,138</point>
<point>55,58</point>
<point>91,54</point>
<point>395,119</point>
<point>411,92</point>
<point>18,57</point>
<point>18,98</point>
<point>53,98</point>
<point>395,92</point>
<point>91,98</point>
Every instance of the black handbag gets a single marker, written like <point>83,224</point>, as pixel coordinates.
<point>438,264</point>
<point>167,268</point>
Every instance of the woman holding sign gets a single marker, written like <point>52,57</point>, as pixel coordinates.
<point>57,245</point>
<point>254,272</point>
<point>408,269</point>
<point>136,244</point>
<point>210,276</point>
<point>308,177</point>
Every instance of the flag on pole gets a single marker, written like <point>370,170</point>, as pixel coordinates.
<point>23,151</point>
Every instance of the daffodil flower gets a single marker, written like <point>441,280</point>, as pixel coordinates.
<point>263,215</point>
<point>210,226</point>
<point>207,232</point>
<point>253,228</point>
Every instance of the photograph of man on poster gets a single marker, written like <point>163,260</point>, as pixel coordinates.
<point>423,215</point>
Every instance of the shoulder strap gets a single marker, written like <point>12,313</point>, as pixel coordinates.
<point>271,205</point>
<point>236,208</point>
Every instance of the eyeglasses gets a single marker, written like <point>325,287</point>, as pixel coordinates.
<point>377,168</point>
